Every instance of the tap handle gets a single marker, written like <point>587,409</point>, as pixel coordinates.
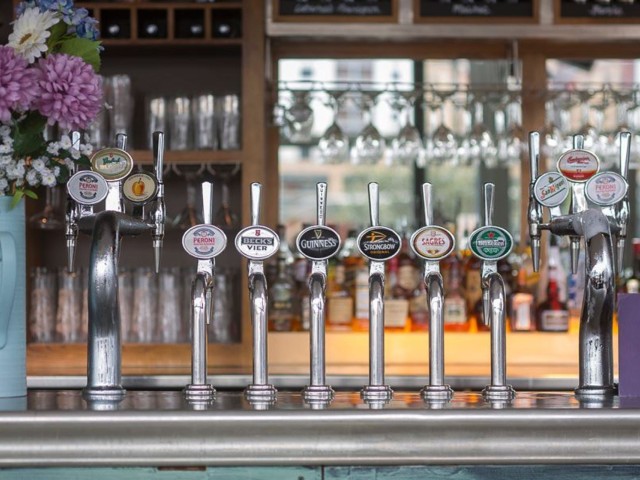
<point>625,153</point>
<point>256,188</point>
<point>427,203</point>
<point>374,204</point>
<point>158,154</point>
<point>578,142</point>
<point>207,202</point>
<point>534,154</point>
<point>489,193</point>
<point>321,202</point>
<point>121,141</point>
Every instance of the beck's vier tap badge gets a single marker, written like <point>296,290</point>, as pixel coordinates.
<point>257,242</point>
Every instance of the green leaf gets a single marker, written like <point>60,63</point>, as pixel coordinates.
<point>57,32</point>
<point>16,198</point>
<point>28,139</point>
<point>84,48</point>
<point>31,194</point>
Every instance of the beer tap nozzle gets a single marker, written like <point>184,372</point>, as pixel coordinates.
<point>534,212</point>
<point>159,210</point>
<point>622,208</point>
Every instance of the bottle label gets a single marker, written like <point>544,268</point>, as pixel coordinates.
<point>491,243</point>
<point>473,287</point>
<point>554,320</point>
<point>112,163</point>
<point>87,188</point>
<point>379,243</point>
<point>408,277</point>
<point>578,165</point>
<point>204,241</point>
<point>606,188</point>
<point>433,243</point>
<point>521,311</point>
<point>257,242</point>
<point>362,294</point>
<point>340,310</point>
<point>318,242</point>
<point>396,311</point>
<point>551,189</point>
<point>455,311</point>
<point>140,188</point>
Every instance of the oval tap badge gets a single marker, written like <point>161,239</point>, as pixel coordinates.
<point>204,241</point>
<point>433,243</point>
<point>318,242</point>
<point>112,163</point>
<point>379,243</point>
<point>551,189</point>
<point>606,188</point>
<point>140,188</point>
<point>491,243</point>
<point>257,242</point>
<point>578,165</point>
<point>87,187</point>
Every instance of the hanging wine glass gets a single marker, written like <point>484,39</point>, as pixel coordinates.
<point>445,144</point>
<point>482,147</point>
<point>333,146</point>
<point>369,145</point>
<point>225,217</point>
<point>299,117</point>
<point>551,134</point>
<point>190,214</point>
<point>515,132</point>
<point>604,142</point>
<point>49,218</point>
<point>586,129</point>
<point>407,146</point>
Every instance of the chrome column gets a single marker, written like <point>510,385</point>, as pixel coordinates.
<point>159,213</point>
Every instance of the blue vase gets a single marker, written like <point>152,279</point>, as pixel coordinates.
<point>13,337</point>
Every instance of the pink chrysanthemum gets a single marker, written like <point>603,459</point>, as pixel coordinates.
<point>71,92</point>
<point>18,83</point>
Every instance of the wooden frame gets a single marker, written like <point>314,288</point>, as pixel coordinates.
<point>484,20</point>
<point>277,17</point>
<point>624,18</point>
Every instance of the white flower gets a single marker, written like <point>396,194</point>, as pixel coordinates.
<point>4,149</point>
<point>30,33</point>
<point>5,131</point>
<point>65,142</point>
<point>56,171</point>
<point>38,164</point>
<point>5,160</point>
<point>53,148</point>
<point>86,149</point>
<point>69,163</point>
<point>20,182</point>
<point>32,178</point>
<point>3,185</point>
<point>48,179</point>
<point>75,154</point>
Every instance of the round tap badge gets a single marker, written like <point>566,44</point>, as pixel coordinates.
<point>112,163</point>
<point>140,188</point>
<point>257,242</point>
<point>379,243</point>
<point>318,242</point>
<point>491,243</point>
<point>204,241</point>
<point>87,187</point>
<point>578,165</point>
<point>551,189</point>
<point>433,243</point>
<point>606,188</point>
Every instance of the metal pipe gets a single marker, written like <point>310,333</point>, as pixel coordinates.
<point>317,338</point>
<point>435,297</point>
<point>376,324</point>
<point>259,303</point>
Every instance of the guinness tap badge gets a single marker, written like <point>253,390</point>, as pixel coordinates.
<point>379,243</point>
<point>318,242</point>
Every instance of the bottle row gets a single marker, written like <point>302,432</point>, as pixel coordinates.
<point>537,301</point>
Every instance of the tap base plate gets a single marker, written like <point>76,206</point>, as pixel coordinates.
<point>261,393</point>
<point>199,392</point>
<point>436,392</point>
<point>586,392</point>
<point>498,392</point>
<point>376,393</point>
<point>318,394</point>
<point>109,394</point>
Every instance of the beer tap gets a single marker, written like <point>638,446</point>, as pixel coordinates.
<point>257,243</point>
<point>72,212</point>
<point>597,220</point>
<point>377,244</point>
<point>622,208</point>
<point>204,242</point>
<point>578,204</point>
<point>432,244</point>
<point>159,214</point>
<point>534,212</point>
<point>318,243</point>
<point>490,244</point>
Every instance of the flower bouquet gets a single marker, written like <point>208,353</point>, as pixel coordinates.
<point>48,76</point>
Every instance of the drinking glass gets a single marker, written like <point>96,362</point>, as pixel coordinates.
<point>482,146</point>
<point>204,122</point>
<point>169,326</point>
<point>228,122</point>
<point>50,217</point>
<point>180,123</point>
<point>407,146</point>
<point>299,117</point>
<point>120,98</point>
<point>225,217</point>
<point>145,294</point>
<point>190,214</point>
<point>224,327</point>
<point>42,312</point>
<point>515,132</point>
<point>369,145</point>
<point>69,312</point>
<point>156,117</point>
<point>551,134</point>
<point>445,144</point>
<point>334,143</point>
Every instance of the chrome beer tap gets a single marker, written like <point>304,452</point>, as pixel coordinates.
<point>257,243</point>
<point>490,244</point>
<point>597,212</point>
<point>578,203</point>
<point>72,212</point>
<point>204,242</point>
<point>318,243</point>
<point>432,244</point>
<point>378,244</point>
<point>110,167</point>
<point>159,213</point>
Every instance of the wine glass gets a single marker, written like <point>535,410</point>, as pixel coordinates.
<point>482,147</point>
<point>369,145</point>
<point>49,218</point>
<point>551,133</point>
<point>190,214</point>
<point>445,144</point>
<point>225,217</point>
<point>333,146</point>
<point>299,117</point>
<point>515,132</point>
<point>407,146</point>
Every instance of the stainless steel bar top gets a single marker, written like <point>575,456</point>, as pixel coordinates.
<point>59,428</point>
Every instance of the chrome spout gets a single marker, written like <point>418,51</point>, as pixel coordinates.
<point>104,348</point>
<point>622,208</point>
<point>72,212</point>
<point>317,305</point>
<point>534,212</point>
<point>159,212</point>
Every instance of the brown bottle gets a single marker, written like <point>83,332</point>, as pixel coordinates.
<point>455,304</point>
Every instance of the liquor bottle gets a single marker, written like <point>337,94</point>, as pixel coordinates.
<point>284,253</point>
<point>283,316</point>
<point>339,299</point>
<point>301,267</point>
<point>553,314</point>
<point>632,284</point>
<point>356,281</point>
<point>396,304</point>
<point>473,287</point>
<point>419,309</point>
<point>522,307</point>
<point>407,286</point>
<point>455,305</point>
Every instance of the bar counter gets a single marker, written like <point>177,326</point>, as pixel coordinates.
<point>57,428</point>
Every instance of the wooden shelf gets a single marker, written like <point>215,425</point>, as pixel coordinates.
<point>189,157</point>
